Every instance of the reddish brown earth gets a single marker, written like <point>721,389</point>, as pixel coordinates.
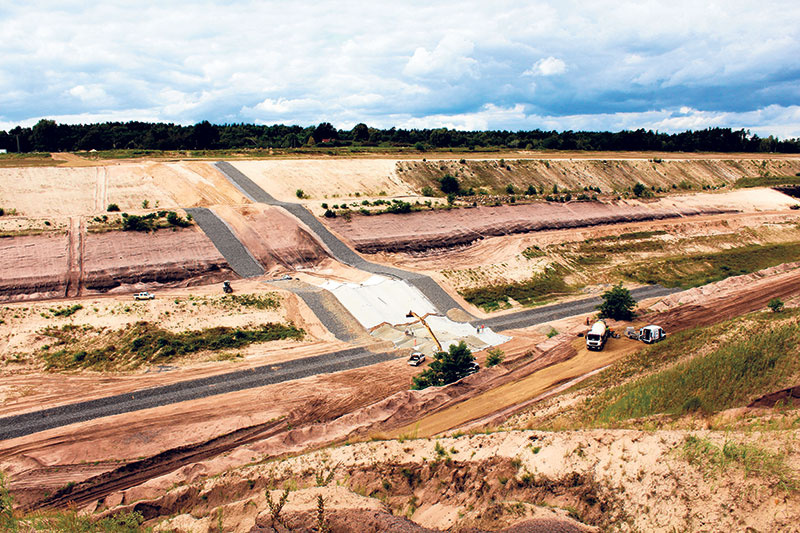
<point>176,442</point>
<point>51,265</point>
<point>420,231</point>
<point>277,239</point>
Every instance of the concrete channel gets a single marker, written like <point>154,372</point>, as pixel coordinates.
<point>33,422</point>
<point>235,253</point>
<point>339,250</point>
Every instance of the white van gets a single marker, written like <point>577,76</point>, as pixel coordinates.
<point>651,334</point>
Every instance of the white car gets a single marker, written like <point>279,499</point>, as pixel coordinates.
<point>144,296</point>
<point>416,359</point>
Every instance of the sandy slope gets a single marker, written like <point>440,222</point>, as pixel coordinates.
<point>320,179</point>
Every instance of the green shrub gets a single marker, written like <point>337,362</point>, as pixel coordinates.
<point>446,367</point>
<point>776,305</point>
<point>112,208</point>
<point>617,304</point>
<point>449,184</point>
<point>495,357</point>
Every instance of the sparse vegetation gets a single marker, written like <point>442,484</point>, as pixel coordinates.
<point>693,270</point>
<point>145,343</point>
<point>154,221</point>
<point>68,521</point>
<point>756,360</point>
<point>753,460</point>
<point>534,291</point>
<point>766,181</point>
<point>66,311</point>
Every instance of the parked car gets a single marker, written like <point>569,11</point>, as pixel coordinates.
<point>144,296</point>
<point>416,359</point>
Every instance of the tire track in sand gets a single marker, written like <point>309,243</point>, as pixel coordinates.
<point>75,248</point>
<point>101,190</point>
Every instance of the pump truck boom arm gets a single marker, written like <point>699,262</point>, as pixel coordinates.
<point>412,314</point>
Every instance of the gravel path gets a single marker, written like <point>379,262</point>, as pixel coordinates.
<point>25,424</point>
<point>539,315</point>
<point>234,252</point>
<point>338,249</point>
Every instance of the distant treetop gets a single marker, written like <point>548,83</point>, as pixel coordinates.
<point>48,136</point>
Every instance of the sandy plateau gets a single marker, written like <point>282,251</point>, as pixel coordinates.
<point>487,453</point>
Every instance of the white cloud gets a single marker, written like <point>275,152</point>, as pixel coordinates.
<point>550,66</point>
<point>450,59</point>
<point>604,64</point>
<point>89,93</point>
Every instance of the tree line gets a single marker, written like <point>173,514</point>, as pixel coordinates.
<point>48,136</point>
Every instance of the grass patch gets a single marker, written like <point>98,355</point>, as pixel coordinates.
<point>755,360</point>
<point>533,251</point>
<point>27,159</point>
<point>766,181</point>
<point>154,221</point>
<point>753,460</point>
<point>699,269</point>
<point>66,311</point>
<point>269,301</point>
<point>534,291</point>
<point>145,343</point>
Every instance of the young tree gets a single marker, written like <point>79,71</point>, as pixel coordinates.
<point>617,304</point>
<point>449,184</point>
<point>446,367</point>
<point>776,304</point>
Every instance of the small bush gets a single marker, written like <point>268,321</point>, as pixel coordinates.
<point>300,194</point>
<point>449,184</point>
<point>329,214</point>
<point>776,305</point>
<point>495,357</point>
<point>427,191</point>
<point>112,208</point>
<point>2,211</point>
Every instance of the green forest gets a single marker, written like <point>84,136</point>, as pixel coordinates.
<point>48,136</point>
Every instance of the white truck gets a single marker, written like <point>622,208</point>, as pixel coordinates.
<point>597,336</point>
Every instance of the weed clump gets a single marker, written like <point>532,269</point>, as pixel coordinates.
<point>145,343</point>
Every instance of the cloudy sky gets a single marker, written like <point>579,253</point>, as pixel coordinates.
<point>582,65</point>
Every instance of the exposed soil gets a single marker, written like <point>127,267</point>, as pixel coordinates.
<point>416,232</point>
<point>785,397</point>
<point>489,482</point>
<point>184,461</point>
<point>278,240</point>
<point>56,266</point>
<point>611,174</point>
<point>322,410</point>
